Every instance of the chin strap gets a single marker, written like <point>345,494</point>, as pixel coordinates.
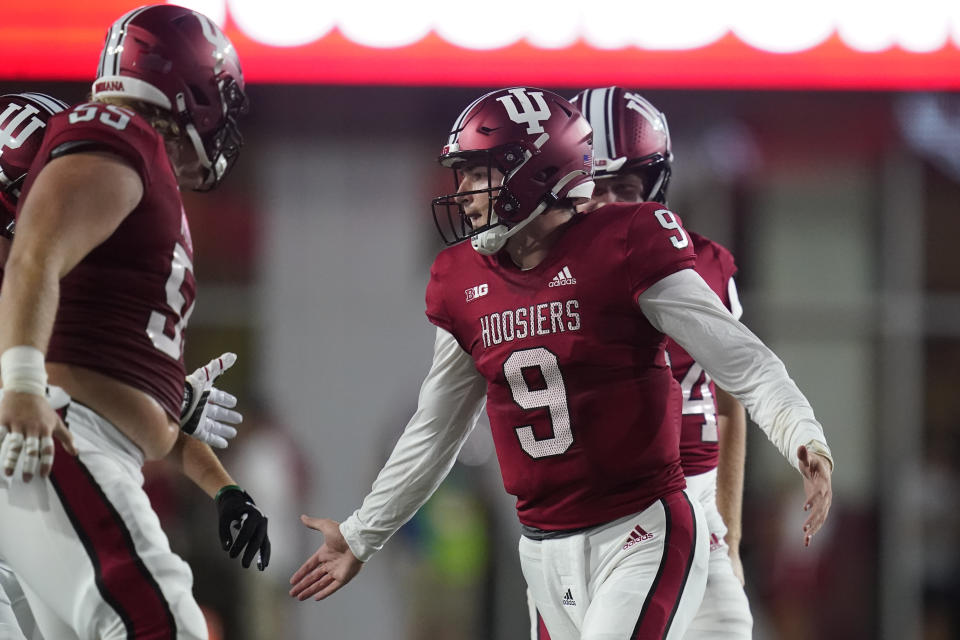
<point>492,240</point>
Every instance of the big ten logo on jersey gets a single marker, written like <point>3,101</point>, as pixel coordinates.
<point>526,113</point>
<point>477,292</point>
<point>536,320</point>
<point>17,123</point>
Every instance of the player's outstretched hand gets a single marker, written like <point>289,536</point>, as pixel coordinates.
<point>816,472</point>
<point>207,412</point>
<point>28,425</point>
<point>332,566</point>
<point>238,513</point>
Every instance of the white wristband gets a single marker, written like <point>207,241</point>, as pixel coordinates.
<point>22,369</point>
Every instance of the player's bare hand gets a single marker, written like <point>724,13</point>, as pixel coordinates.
<point>27,427</point>
<point>332,566</point>
<point>816,472</point>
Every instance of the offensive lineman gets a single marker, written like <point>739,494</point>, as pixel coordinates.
<point>206,413</point>
<point>99,278</point>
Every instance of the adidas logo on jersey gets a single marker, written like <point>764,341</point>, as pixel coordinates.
<point>568,600</point>
<point>563,278</point>
<point>637,535</point>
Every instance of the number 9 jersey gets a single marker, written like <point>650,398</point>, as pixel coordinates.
<point>123,308</point>
<point>584,411</point>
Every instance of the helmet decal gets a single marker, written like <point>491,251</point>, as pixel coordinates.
<point>23,118</point>
<point>530,115</point>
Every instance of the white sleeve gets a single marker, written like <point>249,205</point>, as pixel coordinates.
<point>451,398</point>
<point>682,306</point>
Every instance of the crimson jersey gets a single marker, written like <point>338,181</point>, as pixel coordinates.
<point>123,308</point>
<point>584,412</point>
<point>699,440</point>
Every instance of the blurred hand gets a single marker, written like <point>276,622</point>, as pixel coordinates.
<point>816,472</point>
<point>28,425</point>
<point>206,413</point>
<point>332,566</point>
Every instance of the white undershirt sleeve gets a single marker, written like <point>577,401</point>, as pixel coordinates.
<point>682,306</point>
<point>451,398</point>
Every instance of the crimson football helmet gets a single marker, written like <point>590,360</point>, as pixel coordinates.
<point>537,140</point>
<point>629,134</point>
<point>23,117</point>
<point>181,61</point>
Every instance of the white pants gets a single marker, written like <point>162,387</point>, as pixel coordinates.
<point>16,619</point>
<point>639,578</point>
<point>87,547</point>
<point>724,613</point>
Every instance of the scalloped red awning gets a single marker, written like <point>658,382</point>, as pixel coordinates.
<point>60,40</point>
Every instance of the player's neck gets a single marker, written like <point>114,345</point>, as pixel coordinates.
<point>531,245</point>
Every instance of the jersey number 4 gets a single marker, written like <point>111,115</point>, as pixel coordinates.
<point>705,405</point>
<point>552,395</point>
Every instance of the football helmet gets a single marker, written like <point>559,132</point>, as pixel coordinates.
<point>179,60</point>
<point>629,134</point>
<point>541,145</point>
<point>23,117</point>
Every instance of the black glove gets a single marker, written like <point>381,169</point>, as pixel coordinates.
<point>238,512</point>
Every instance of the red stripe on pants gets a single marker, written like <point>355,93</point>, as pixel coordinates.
<point>122,579</point>
<point>679,545</point>
<point>542,633</point>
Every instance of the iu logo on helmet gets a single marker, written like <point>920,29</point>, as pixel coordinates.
<point>637,103</point>
<point>9,138</point>
<point>526,113</point>
<point>221,45</point>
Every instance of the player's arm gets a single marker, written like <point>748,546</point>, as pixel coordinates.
<point>236,509</point>
<point>732,426</point>
<point>450,401</point>
<point>685,308</point>
<point>76,203</point>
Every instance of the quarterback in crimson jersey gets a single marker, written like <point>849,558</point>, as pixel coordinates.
<point>97,291</point>
<point>547,339</point>
<point>558,321</point>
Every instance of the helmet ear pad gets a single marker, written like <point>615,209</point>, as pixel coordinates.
<point>509,159</point>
